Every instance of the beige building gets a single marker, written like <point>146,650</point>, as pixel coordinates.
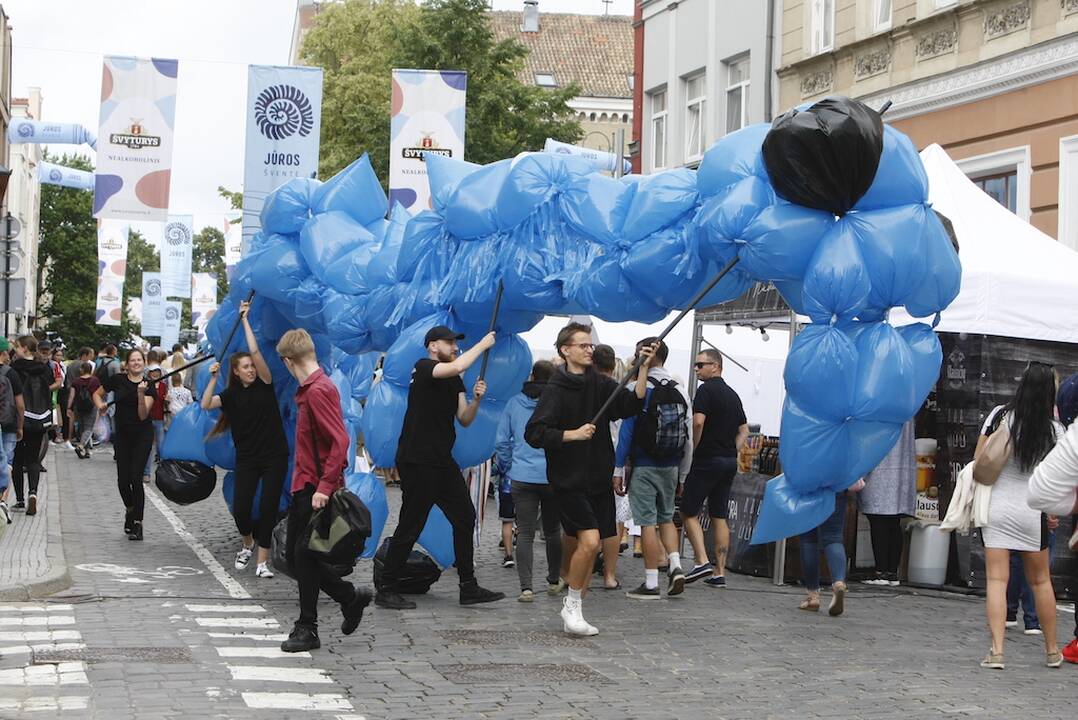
<point>24,203</point>
<point>992,81</point>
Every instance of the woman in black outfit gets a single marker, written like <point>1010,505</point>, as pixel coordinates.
<point>132,439</point>
<point>249,409</point>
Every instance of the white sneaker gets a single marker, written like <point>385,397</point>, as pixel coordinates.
<point>243,558</point>
<point>1010,623</point>
<point>5,512</point>
<point>68,445</point>
<point>573,622</point>
<point>263,571</point>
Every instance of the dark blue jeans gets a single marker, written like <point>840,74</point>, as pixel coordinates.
<point>830,535</point>
<point>1018,589</point>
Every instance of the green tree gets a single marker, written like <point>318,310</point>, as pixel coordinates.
<point>358,43</point>
<point>67,264</point>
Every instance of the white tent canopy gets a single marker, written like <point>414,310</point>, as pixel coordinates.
<point>1016,281</point>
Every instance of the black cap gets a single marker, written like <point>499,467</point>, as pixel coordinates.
<point>44,345</point>
<point>441,332</point>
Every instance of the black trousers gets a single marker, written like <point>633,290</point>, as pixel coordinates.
<point>132,446</point>
<point>311,573</point>
<point>271,472</point>
<point>27,460</point>
<point>423,487</point>
<point>886,534</point>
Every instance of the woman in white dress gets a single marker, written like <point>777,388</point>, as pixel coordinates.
<point>1013,526</point>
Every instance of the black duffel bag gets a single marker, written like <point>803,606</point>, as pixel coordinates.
<point>338,532</point>
<point>418,574</point>
<point>279,553</point>
<point>185,481</point>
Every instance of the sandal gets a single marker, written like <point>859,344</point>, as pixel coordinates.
<point>1053,660</point>
<point>992,661</point>
<point>838,597</point>
<point>810,604</point>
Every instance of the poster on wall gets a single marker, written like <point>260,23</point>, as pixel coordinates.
<point>170,333</point>
<point>134,152</point>
<point>284,122</point>
<point>177,236</point>
<point>427,117</point>
<point>203,298</point>
<point>111,270</point>
<point>153,305</point>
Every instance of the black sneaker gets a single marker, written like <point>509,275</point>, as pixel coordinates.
<point>136,531</point>
<point>643,592</point>
<point>393,601</point>
<point>353,612</point>
<point>129,516</point>
<point>473,594</point>
<point>19,505</point>
<point>508,562</point>
<point>300,639</point>
<point>698,572</point>
<point>675,582</point>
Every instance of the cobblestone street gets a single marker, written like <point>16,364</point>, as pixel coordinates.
<point>167,629</point>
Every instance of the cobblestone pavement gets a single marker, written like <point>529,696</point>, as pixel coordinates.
<point>167,629</point>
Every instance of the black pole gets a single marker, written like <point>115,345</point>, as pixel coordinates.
<point>493,322</point>
<point>7,271</point>
<point>681,316</point>
<point>720,352</point>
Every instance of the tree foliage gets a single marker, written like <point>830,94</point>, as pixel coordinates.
<point>358,43</point>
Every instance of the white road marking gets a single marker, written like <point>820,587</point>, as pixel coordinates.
<point>231,585</point>
<point>44,647</point>
<point>259,652</point>
<point>241,622</point>
<point>35,608</point>
<point>38,620</point>
<point>226,608</point>
<point>45,703</point>
<point>295,701</point>
<point>65,673</point>
<point>275,637</point>
<point>39,635</point>
<point>278,674</point>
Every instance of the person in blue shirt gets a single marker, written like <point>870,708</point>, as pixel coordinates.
<point>525,467</point>
<point>657,444</point>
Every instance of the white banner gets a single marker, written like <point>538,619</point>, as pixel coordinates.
<point>51,174</point>
<point>284,121</point>
<point>233,246</point>
<point>111,271</point>
<point>428,117</point>
<point>170,334</point>
<point>203,298</point>
<point>40,132</point>
<point>153,305</point>
<point>177,236</point>
<point>134,154</point>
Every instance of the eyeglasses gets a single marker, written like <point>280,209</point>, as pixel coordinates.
<point>701,365</point>
<point>583,346</point>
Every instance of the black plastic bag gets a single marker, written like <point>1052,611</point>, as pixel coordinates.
<point>825,157</point>
<point>948,227</point>
<point>419,573</point>
<point>185,481</point>
<point>278,548</point>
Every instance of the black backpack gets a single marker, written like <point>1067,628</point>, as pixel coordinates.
<point>84,399</point>
<point>660,430</point>
<point>102,370</point>
<point>8,412</point>
<point>37,399</point>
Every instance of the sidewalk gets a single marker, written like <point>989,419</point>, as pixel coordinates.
<point>32,561</point>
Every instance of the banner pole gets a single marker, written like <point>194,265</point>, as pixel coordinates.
<point>493,322</point>
<point>673,323</point>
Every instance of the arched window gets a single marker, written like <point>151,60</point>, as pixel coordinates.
<point>592,117</point>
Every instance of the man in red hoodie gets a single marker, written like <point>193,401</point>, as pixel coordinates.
<point>321,459</point>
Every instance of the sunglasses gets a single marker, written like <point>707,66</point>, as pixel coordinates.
<point>701,365</point>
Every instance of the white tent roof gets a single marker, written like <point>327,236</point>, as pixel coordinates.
<point>1016,281</point>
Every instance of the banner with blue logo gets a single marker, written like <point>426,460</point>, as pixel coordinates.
<point>134,152</point>
<point>111,270</point>
<point>39,132</point>
<point>427,117</point>
<point>175,250</point>
<point>170,332</point>
<point>153,305</point>
<point>284,122</point>
<point>51,174</point>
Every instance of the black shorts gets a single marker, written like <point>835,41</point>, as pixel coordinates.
<point>506,511</point>
<point>582,511</point>
<point>709,479</point>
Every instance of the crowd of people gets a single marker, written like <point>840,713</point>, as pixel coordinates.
<point>580,457</point>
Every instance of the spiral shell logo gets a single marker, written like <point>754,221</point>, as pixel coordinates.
<point>171,313</point>
<point>282,111</point>
<point>55,175</point>
<point>153,288</point>
<point>26,130</point>
<point>177,233</point>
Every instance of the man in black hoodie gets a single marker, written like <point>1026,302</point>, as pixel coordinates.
<point>580,455</point>
<point>37,378</point>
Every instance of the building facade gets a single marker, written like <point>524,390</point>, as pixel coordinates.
<point>24,203</point>
<point>704,71</point>
<point>994,82</point>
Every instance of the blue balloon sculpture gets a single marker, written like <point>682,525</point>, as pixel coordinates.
<point>563,238</point>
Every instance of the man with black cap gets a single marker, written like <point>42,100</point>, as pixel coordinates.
<point>429,474</point>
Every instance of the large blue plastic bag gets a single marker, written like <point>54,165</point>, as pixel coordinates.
<point>731,159</point>
<point>382,421</point>
<point>278,272</point>
<point>354,190</point>
<point>437,538</point>
<point>368,488</point>
<point>508,366</point>
<point>287,208</point>
<point>220,449</point>
<point>475,443</point>
<point>900,179</point>
<point>308,301</point>
<point>409,349</point>
<point>380,305</point>
<point>836,283</point>
<point>892,246</point>
<point>534,179</point>
<point>186,436</point>
<point>821,372</point>
<point>471,211</point>
<point>471,275</point>
<point>382,268</point>
<point>660,200</point>
<point>787,511</point>
<point>780,240</point>
<point>596,206</point>
<point>327,238</point>
<point>606,292</point>
<point>724,218</point>
<point>345,324</point>
<point>425,248</point>
<point>943,273</point>
<point>444,175</point>
<point>666,267</point>
<point>349,273</point>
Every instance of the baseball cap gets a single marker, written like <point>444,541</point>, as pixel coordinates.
<point>151,368</point>
<point>441,332</point>
<point>1067,400</point>
<point>44,345</point>
<point>4,344</point>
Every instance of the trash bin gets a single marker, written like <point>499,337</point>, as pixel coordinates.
<point>929,549</point>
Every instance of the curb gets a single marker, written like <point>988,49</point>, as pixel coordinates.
<point>58,578</point>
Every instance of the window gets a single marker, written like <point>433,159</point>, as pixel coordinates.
<point>943,3</point>
<point>822,26</point>
<point>658,129</point>
<point>695,117</point>
<point>1002,187</point>
<point>545,79</point>
<point>1068,191</point>
<point>737,94</point>
<point>632,82</point>
<point>881,15</point>
<point>1005,176</point>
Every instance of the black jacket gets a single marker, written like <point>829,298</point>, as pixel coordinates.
<point>36,378</point>
<point>568,402</point>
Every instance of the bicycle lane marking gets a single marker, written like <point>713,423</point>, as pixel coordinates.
<point>232,586</point>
